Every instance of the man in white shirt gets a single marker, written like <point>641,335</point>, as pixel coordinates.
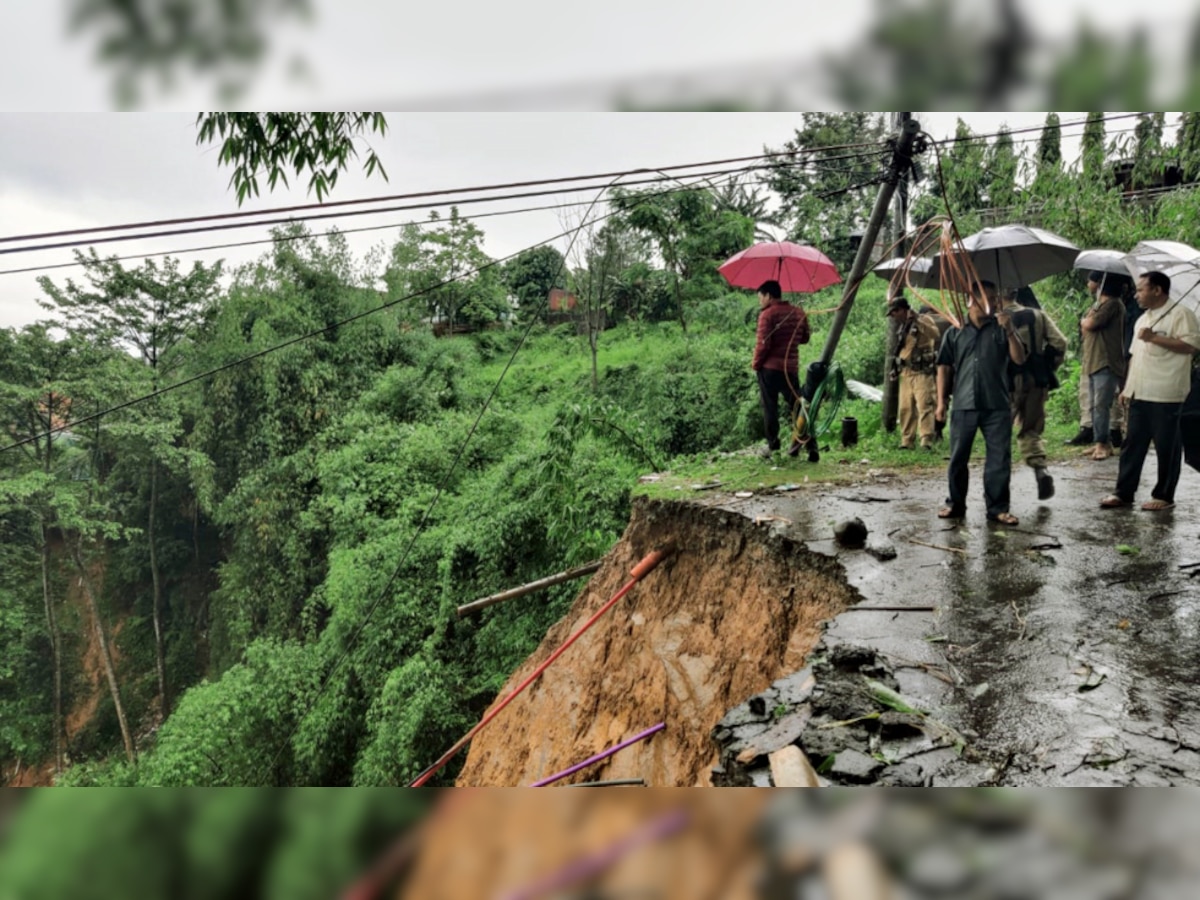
<point>1159,378</point>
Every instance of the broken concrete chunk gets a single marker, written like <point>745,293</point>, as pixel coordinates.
<point>903,775</point>
<point>882,549</point>
<point>855,768</point>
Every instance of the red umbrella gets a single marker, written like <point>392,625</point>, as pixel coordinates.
<point>798,268</point>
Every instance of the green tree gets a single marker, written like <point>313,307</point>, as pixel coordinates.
<point>533,273</point>
<point>270,144</point>
<point>691,234</point>
<point>1047,161</point>
<point>821,184</point>
<point>1148,150</point>
<point>51,381</point>
<point>1188,145</point>
<point>154,310</point>
<point>1002,171</point>
<point>1094,150</point>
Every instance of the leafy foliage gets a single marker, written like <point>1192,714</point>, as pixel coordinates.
<point>271,144</point>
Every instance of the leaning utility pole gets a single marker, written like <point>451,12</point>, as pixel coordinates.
<point>900,163</point>
<point>891,388</point>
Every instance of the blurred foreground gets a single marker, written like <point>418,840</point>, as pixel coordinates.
<point>598,843</point>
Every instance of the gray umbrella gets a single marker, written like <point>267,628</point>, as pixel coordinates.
<point>1100,260</point>
<point>1017,255</point>
<point>919,271</point>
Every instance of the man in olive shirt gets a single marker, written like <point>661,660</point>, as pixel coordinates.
<point>973,360</point>
<point>1046,346</point>
<point>1104,359</point>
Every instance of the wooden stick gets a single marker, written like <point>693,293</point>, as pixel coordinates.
<point>890,609</point>
<point>513,593</point>
<point>937,546</point>
<point>617,782</point>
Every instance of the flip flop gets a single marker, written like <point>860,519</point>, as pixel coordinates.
<point>949,512</point>
<point>1112,501</point>
<point>1005,518</point>
<point>1157,505</point>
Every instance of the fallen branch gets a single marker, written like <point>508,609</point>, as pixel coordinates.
<point>891,609</point>
<point>513,593</point>
<point>937,546</point>
<point>1164,595</point>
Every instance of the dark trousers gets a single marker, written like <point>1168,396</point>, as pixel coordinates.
<point>772,384</point>
<point>996,425</point>
<point>1146,422</point>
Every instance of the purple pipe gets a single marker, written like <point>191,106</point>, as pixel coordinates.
<point>576,871</point>
<point>599,756</point>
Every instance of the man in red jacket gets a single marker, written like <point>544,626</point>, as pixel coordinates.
<point>782,328</point>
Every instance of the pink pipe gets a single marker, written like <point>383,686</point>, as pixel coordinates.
<point>599,756</point>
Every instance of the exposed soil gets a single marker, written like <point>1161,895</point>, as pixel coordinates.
<point>735,607</point>
<point>513,844</point>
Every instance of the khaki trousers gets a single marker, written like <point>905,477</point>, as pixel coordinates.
<point>918,400</point>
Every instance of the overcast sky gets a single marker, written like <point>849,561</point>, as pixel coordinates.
<point>366,53</point>
<point>72,170</point>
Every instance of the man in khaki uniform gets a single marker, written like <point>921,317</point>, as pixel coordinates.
<point>1032,382</point>
<point>916,355</point>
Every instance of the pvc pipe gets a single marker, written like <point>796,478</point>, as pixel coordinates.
<point>599,756</point>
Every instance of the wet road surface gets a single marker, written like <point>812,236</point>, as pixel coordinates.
<point>1067,648</point>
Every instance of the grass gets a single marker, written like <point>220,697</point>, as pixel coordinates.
<point>877,452</point>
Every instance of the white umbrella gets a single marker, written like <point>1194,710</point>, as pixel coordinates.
<point>1177,261</point>
<point>1013,256</point>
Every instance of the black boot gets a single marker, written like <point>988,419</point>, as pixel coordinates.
<point>1045,483</point>
<point>1084,437</point>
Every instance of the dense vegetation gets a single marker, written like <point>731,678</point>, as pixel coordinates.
<point>262,565</point>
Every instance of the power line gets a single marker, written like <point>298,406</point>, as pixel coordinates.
<point>1060,126</point>
<point>357,212</point>
<point>409,196</point>
<point>421,223</point>
<point>292,341</point>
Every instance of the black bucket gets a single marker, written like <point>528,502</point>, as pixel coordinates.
<point>849,431</point>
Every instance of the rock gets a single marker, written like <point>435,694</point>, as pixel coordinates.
<point>791,768</point>
<point>850,533</point>
<point>903,775</point>
<point>882,549</point>
<point>897,726</point>
<point>796,688</point>
<point>855,768</point>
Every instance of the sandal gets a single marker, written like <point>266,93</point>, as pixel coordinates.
<point>1112,501</point>
<point>949,512</point>
<point>1005,518</point>
<point>1100,452</point>
<point>1157,505</point>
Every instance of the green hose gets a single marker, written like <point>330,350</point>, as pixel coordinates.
<point>815,417</point>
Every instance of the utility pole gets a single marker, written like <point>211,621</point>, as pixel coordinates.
<point>891,389</point>
<point>900,163</point>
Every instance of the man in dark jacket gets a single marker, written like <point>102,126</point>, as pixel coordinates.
<point>782,328</point>
<point>973,365</point>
